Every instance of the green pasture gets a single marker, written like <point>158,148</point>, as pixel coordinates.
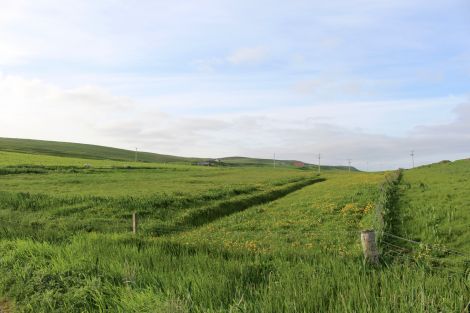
<point>228,239</point>
<point>326,216</point>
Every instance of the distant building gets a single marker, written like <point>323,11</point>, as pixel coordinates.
<point>211,162</point>
<point>298,164</point>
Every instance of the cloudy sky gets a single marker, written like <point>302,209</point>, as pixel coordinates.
<point>367,80</point>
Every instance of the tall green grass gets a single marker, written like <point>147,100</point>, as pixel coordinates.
<point>111,273</point>
<point>386,205</point>
<point>241,240</point>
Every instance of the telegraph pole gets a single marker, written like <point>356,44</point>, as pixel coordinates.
<point>349,165</point>
<point>319,165</point>
<point>135,158</point>
<point>274,160</point>
<point>413,157</point>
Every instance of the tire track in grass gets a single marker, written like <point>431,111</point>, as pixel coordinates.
<point>209,214</point>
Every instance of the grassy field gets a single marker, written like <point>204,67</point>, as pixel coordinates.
<point>435,204</point>
<point>324,216</point>
<point>92,153</point>
<point>242,239</point>
<point>66,149</point>
<point>434,210</point>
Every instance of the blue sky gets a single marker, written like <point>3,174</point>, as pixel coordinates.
<point>366,80</point>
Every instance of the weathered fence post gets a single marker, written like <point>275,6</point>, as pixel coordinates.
<point>134,222</point>
<point>369,247</point>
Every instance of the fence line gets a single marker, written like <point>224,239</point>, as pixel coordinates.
<point>427,244</point>
<point>446,269</point>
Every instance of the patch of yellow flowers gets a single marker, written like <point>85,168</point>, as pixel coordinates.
<point>354,208</point>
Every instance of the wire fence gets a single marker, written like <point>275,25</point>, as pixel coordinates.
<point>441,248</point>
<point>390,242</point>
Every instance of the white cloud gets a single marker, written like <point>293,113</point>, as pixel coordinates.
<point>35,109</point>
<point>242,56</point>
<point>32,108</point>
<point>248,55</point>
<point>208,65</point>
<point>339,76</point>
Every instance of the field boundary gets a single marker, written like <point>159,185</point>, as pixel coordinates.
<point>385,207</point>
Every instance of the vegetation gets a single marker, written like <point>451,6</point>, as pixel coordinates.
<point>241,239</point>
<point>433,211</point>
<point>244,161</point>
<point>66,149</point>
<point>434,204</point>
<point>94,152</point>
<point>324,217</point>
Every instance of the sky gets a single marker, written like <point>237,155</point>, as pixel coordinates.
<point>366,80</point>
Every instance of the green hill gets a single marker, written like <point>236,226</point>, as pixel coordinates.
<point>78,150</point>
<point>87,151</point>
<point>435,204</point>
<point>245,161</point>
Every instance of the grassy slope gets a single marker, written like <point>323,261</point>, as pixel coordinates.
<point>269,162</point>
<point>275,258</point>
<point>113,178</point>
<point>322,217</point>
<point>77,150</point>
<point>435,204</point>
<point>62,200</point>
<point>25,160</point>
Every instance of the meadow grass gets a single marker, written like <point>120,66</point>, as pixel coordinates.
<point>433,213</point>
<point>55,204</point>
<point>325,216</point>
<point>435,204</point>
<point>19,159</point>
<point>95,152</point>
<point>85,151</point>
<point>240,240</point>
<point>121,273</point>
<point>67,176</point>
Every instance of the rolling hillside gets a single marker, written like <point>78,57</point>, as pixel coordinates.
<point>245,161</point>
<point>87,151</point>
<point>244,239</point>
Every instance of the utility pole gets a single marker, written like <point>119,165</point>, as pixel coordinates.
<point>413,157</point>
<point>274,160</point>
<point>319,165</point>
<point>135,159</point>
<point>349,165</point>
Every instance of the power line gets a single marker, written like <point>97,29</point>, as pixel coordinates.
<point>319,165</point>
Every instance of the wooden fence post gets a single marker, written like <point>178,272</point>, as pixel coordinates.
<point>369,247</point>
<point>134,222</point>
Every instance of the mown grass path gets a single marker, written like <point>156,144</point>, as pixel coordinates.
<point>196,218</point>
<point>321,218</point>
